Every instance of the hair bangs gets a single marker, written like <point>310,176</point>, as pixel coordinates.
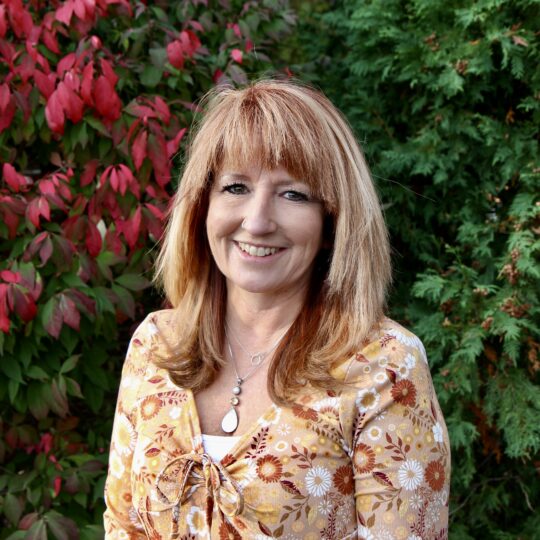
<point>262,126</point>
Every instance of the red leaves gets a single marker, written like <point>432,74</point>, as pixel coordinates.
<point>20,20</point>
<point>236,29</point>
<point>217,76</point>
<point>172,145</point>
<point>86,84</point>
<point>79,88</point>
<point>5,96</point>
<point>82,229</point>
<point>54,189</point>
<point>153,218</point>
<point>149,140</point>
<point>45,443</point>
<point>175,54</point>
<point>57,485</point>
<point>54,114</point>
<point>70,314</point>
<point>4,313</point>
<point>60,310</point>
<point>157,152</point>
<point>237,55</point>
<point>3,21</point>
<point>48,33</point>
<point>93,240</point>
<point>120,179</point>
<point>10,210</point>
<point>42,245</point>
<point>89,172</point>
<point>38,207</point>
<point>83,9</point>
<point>66,63</point>
<point>18,293</point>
<point>64,13</point>
<point>184,47</point>
<point>23,304</point>
<point>64,102</point>
<point>71,103</point>
<point>16,181</point>
<point>162,109</point>
<point>10,277</point>
<point>45,83</point>
<point>52,318</point>
<point>106,100</point>
<point>7,107</point>
<point>130,227</point>
<point>108,72</point>
<point>138,148</point>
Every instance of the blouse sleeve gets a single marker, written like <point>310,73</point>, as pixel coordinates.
<point>120,518</point>
<point>400,449</point>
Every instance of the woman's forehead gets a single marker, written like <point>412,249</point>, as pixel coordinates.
<point>253,172</point>
<point>259,161</point>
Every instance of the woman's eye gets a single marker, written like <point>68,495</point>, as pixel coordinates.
<point>235,189</point>
<point>293,195</point>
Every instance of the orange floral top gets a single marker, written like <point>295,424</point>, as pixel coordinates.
<point>370,461</point>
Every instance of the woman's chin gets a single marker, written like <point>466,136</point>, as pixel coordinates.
<point>251,287</point>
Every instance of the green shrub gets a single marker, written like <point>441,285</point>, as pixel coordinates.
<point>446,99</point>
<point>95,99</point>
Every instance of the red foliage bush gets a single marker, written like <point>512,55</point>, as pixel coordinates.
<point>96,98</point>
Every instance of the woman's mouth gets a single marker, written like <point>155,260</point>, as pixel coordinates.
<point>257,251</point>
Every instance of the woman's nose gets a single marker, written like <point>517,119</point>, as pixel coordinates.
<point>258,218</point>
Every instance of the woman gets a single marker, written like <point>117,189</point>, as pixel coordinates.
<point>275,399</point>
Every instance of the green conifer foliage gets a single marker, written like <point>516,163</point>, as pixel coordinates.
<point>446,99</point>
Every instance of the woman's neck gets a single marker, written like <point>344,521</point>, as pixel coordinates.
<point>257,320</point>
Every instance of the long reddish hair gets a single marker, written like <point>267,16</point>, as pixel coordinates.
<point>287,124</point>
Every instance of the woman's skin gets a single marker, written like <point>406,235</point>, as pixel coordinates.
<point>250,208</point>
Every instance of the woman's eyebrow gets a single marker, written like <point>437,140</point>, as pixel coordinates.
<point>233,176</point>
<point>285,181</point>
<point>288,182</point>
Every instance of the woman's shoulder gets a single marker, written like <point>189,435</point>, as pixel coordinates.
<point>390,330</point>
<point>389,347</point>
<point>156,326</point>
<point>151,340</point>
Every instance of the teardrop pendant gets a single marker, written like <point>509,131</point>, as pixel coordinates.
<point>230,421</point>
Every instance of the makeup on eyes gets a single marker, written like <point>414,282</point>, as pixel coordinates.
<point>239,187</point>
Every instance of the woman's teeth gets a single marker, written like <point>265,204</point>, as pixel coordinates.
<point>257,251</point>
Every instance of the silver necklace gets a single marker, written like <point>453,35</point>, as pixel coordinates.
<point>230,421</point>
<point>257,358</point>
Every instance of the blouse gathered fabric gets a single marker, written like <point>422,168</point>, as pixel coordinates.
<point>368,461</point>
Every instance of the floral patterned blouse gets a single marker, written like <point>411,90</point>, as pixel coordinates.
<point>370,461</point>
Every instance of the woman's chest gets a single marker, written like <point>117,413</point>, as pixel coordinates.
<point>289,470</point>
<point>241,404</point>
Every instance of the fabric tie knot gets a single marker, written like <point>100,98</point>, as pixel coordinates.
<point>184,474</point>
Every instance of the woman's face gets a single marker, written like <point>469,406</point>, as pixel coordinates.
<point>264,228</point>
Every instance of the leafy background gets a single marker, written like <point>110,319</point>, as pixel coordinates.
<point>96,100</point>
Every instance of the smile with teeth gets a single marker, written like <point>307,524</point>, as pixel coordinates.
<point>257,251</point>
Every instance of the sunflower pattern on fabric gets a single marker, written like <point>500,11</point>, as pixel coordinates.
<point>368,461</point>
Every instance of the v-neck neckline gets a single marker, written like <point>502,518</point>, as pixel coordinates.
<point>242,439</point>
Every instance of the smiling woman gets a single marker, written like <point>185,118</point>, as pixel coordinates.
<point>275,399</point>
<point>264,230</point>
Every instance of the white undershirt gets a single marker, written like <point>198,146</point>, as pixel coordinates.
<point>217,446</point>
